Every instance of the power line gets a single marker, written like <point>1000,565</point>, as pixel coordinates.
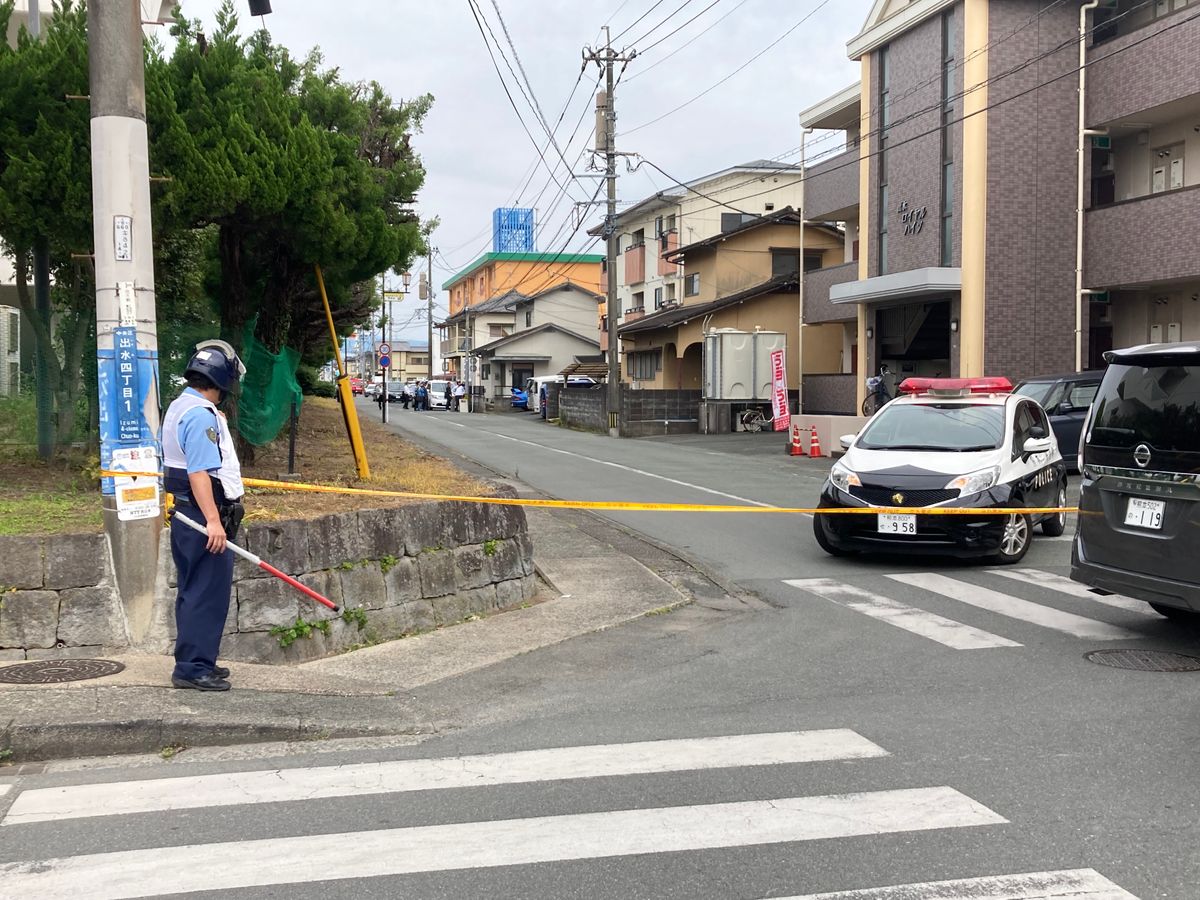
<point>677,29</point>
<point>655,6</point>
<point>821,5</point>
<point>686,43</point>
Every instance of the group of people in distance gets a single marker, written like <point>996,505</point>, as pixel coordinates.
<point>416,395</point>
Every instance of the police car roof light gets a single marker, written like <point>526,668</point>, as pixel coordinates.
<point>955,387</point>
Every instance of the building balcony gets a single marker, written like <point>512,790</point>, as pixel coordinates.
<point>632,315</point>
<point>1143,241</point>
<point>1152,63</point>
<point>817,283</point>
<point>635,264</point>
<point>667,243</point>
<point>831,188</point>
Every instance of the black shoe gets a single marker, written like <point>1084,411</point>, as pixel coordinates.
<point>203,683</point>
<point>220,672</point>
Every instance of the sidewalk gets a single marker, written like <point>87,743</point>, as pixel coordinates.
<point>588,585</point>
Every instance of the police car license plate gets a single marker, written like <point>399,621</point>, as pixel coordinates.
<point>1145,513</point>
<point>891,523</point>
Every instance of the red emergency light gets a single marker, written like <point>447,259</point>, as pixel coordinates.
<point>955,387</point>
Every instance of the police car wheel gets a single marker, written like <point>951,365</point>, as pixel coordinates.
<point>1015,541</point>
<point>823,538</point>
<point>1055,525</point>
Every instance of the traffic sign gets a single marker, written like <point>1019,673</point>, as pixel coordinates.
<point>385,349</point>
<point>384,362</point>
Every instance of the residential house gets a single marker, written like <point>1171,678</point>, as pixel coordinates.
<point>552,330</point>
<point>472,327</point>
<point>657,225</point>
<point>746,278</point>
<point>961,178</point>
<point>409,360</point>
<point>496,275</point>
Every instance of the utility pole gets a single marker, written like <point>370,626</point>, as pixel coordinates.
<point>41,300</point>
<point>126,329</point>
<point>606,117</point>
<point>429,308</point>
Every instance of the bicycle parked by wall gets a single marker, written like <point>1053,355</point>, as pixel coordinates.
<point>878,395</point>
<point>755,419</point>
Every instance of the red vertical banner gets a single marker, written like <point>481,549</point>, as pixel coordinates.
<point>779,397</point>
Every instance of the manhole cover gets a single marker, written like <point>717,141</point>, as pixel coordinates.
<point>52,671</point>
<point>1145,660</point>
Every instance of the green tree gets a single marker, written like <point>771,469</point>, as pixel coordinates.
<point>46,191</point>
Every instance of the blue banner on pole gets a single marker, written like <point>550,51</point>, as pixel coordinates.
<point>125,378</point>
<point>128,399</point>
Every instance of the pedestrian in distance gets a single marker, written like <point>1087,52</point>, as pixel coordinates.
<point>460,391</point>
<point>405,395</point>
<point>422,396</point>
<point>449,394</point>
<point>201,470</point>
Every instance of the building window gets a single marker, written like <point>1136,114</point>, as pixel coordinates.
<point>671,292</point>
<point>785,262</point>
<point>644,365</point>
<point>485,372</point>
<point>947,139</point>
<point>498,331</point>
<point>528,318</point>
<point>691,285</point>
<point>730,221</point>
<point>639,302</point>
<point>658,298</point>
<point>639,238</point>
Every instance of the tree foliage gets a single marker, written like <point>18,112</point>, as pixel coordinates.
<point>269,164</point>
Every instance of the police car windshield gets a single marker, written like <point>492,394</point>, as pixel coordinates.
<point>950,427</point>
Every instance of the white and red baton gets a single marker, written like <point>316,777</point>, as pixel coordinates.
<point>266,567</point>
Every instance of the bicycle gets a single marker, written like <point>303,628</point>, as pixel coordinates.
<point>877,393</point>
<point>754,420</point>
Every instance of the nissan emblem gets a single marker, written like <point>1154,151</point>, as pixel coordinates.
<point>1141,455</point>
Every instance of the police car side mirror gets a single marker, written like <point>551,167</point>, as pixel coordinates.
<point>1035,445</point>
<point>846,440</point>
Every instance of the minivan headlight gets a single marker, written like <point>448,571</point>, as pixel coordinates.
<point>975,482</point>
<point>843,479</point>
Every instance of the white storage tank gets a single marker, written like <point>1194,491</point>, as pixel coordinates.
<point>737,364</point>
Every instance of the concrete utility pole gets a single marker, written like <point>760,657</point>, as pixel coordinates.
<point>126,330</point>
<point>606,143</point>
<point>429,307</point>
<point>41,300</point>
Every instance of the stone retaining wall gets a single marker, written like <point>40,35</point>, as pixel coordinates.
<point>408,568</point>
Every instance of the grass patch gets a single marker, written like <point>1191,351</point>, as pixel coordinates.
<point>64,495</point>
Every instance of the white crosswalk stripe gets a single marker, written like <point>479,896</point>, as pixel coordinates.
<point>1074,589</point>
<point>917,621</point>
<point>233,788</point>
<point>1015,607</point>
<point>475,845</point>
<point>1068,884</point>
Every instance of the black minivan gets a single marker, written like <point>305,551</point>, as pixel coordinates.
<point>1139,505</point>
<point>1066,399</point>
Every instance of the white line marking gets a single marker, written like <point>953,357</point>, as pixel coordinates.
<point>1015,607</point>
<point>605,462</point>
<point>1067,884</point>
<point>234,788</point>
<point>4,789</point>
<point>478,845</point>
<point>918,621</point>
<point>1075,589</point>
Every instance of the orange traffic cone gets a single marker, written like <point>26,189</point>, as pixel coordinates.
<point>796,448</point>
<point>814,445</point>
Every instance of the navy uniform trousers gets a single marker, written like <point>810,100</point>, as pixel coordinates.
<point>205,581</point>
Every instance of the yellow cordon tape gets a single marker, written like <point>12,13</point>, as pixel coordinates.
<point>623,506</point>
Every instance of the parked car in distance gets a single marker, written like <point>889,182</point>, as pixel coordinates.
<point>372,390</point>
<point>533,387</point>
<point>520,400</point>
<point>437,394</point>
<point>1139,504</point>
<point>356,385</point>
<point>1066,399</point>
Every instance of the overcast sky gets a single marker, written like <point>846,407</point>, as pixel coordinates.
<point>474,148</point>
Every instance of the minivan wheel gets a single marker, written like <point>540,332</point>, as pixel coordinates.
<point>1015,541</point>
<point>1055,525</point>
<point>1175,614</point>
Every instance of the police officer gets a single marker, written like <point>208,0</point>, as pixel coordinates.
<point>201,469</point>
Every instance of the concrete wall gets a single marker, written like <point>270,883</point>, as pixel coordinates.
<point>410,568</point>
<point>1143,241</point>
<point>585,409</point>
<point>643,412</point>
<point>830,394</point>
<point>833,186</point>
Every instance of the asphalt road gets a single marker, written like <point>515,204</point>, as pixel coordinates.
<point>904,722</point>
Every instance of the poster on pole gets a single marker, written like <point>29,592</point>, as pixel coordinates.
<point>137,495</point>
<point>779,397</point>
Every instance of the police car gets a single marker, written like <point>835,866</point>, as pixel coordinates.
<point>947,442</point>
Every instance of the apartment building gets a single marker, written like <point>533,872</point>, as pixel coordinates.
<point>658,225</point>
<point>959,178</point>
<point>480,295</point>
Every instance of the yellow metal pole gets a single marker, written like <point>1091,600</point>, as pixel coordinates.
<point>349,411</point>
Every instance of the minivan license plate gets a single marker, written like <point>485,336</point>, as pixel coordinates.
<point>1145,513</point>
<point>890,523</point>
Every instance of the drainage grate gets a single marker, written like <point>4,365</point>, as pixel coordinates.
<point>1145,660</point>
<point>53,671</point>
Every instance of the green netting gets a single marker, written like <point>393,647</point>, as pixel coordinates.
<point>268,390</point>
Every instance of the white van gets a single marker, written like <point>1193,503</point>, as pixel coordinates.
<point>533,387</point>
<point>437,394</point>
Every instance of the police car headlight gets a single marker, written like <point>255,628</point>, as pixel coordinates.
<point>843,479</point>
<point>975,482</point>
